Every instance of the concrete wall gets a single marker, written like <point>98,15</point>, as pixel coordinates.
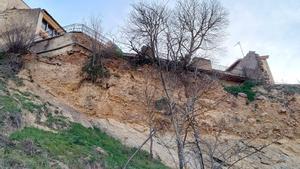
<point>20,18</point>
<point>62,44</point>
<point>201,63</point>
<point>254,67</point>
<point>266,71</point>
<point>52,43</point>
<point>12,4</point>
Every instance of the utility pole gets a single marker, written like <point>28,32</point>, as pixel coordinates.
<point>239,43</point>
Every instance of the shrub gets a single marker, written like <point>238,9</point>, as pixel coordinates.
<point>246,88</point>
<point>94,72</point>
<point>94,68</point>
<point>2,55</point>
<point>17,38</point>
<point>112,50</point>
<point>161,104</point>
<point>291,89</point>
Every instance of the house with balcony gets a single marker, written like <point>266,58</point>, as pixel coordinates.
<point>16,13</point>
<point>50,38</point>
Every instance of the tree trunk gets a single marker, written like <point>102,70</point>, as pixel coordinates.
<point>151,143</point>
<point>197,142</point>
<point>181,157</point>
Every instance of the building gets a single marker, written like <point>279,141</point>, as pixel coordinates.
<point>201,63</point>
<point>51,39</point>
<point>253,67</point>
<point>16,14</point>
<point>12,4</point>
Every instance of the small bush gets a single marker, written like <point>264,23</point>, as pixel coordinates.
<point>11,64</point>
<point>28,104</point>
<point>136,62</point>
<point>2,55</point>
<point>57,122</point>
<point>94,68</point>
<point>119,52</point>
<point>291,89</point>
<point>246,88</point>
<point>2,86</point>
<point>112,50</point>
<point>17,38</point>
<point>94,72</point>
<point>161,104</point>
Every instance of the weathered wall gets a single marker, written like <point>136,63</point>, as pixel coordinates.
<point>52,44</point>
<point>254,67</point>
<point>12,4</point>
<point>19,18</point>
<point>266,72</point>
<point>62,44</point>
<point>201,63</point>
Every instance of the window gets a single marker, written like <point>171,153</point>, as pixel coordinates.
<point>48,28</point>
<point>44,25</point>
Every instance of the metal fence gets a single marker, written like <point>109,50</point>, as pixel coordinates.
<point>86,30</point>
<point>71,29</point>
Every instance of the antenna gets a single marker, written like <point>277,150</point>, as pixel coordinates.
<point>239,43</point>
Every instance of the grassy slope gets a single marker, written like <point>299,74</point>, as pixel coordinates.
<point>75,147</point>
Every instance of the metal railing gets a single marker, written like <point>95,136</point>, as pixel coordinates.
<point>86,30</point>
<point>81,28</point>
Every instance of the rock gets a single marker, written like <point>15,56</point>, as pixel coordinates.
<point>242,95</point>
<point>101,151</point>
<point>252,120</point>
<point>261,97</point>
<point>264,114</point>
<point>208,101</point>
<point>261,90</point>
<point>70,52</point>
<point>282,111</point>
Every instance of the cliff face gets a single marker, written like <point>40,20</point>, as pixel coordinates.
<point>118,106</point>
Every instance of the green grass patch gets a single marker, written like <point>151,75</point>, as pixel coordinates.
<point>76,146</point>
<point>8,104</point>
<point>2,55</point>
<point>2,86</point>
<point>57,122</point>
<point>12,157</point>
<point>27,103</point>
<point>246,88</point>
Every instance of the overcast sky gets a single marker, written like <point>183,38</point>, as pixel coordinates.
<point>269,27</point>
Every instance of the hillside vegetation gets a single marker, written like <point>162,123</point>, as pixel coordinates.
<point>36,135</point>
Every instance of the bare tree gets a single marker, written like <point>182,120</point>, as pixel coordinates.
<point>17,38</point>
<point>149,94</point>
<point>192,27</point>
<point>197,26</point>
<point>94,67</point>
<point>146,24</point>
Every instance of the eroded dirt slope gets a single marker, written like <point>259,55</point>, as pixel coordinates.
<point>118,105</point>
